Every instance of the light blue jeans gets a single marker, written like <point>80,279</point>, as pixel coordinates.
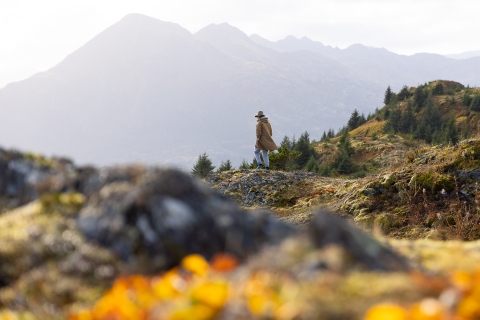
<point>256,152</point>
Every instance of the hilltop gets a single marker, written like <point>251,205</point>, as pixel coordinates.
<point>401,186</point>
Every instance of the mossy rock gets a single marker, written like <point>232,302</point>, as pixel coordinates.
<point>434,182</point>
<point>389,180</point>
<point>384,222</point>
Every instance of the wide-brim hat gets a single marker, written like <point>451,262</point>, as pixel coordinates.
<point>259,114</point>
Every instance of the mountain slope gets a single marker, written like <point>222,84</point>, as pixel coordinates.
<point>382,66</point>
<point>147,90</point>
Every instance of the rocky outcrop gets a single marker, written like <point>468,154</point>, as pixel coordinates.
<point>165,214</point>
<point>23,177</point>
<point>263,188</point>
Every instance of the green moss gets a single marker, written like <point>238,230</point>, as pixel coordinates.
<point>384,221</point>
<point>434,182</point>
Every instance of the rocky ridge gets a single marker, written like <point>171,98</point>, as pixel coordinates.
<point>424,192</point>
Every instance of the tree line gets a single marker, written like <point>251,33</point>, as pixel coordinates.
<point>411,111</point>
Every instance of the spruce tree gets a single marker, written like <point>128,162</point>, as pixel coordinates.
<point>475,104</point>
<point>244,164</point>
<point>451,131</point>
<point>403,94</point>
<point>466,99</point>
<point>362,120</point>
<point>419,97</point>
<point>345,144</point>
<point>388,96</point>
<point>312,165</point>
<point>407,120</point>
<point>286,143</point>
<point>430,122</point>
<point>353,122</point>
<point>438,89</point>
<point>203,166</point>
<point>225,166</point>
<point>331,133</point>
<point>303,146</point>
<point>342,162</point>
<point>324,137</point>
<point>393,122</point>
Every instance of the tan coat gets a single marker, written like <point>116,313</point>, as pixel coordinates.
<point>264,133</point>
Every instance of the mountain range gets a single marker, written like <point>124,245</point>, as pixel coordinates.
<point>151,91</point>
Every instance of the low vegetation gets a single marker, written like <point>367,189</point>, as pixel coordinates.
<point>407,175</point>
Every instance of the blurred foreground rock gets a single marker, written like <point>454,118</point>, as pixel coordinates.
<point>165,214</point>
<point>82,227</point>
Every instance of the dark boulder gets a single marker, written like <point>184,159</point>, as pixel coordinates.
<point>328,229</point>
<point>166,214</point>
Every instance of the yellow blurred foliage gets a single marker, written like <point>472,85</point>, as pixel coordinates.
<point>463,303</point>
<point>386,311</point>
<point>175,295</point>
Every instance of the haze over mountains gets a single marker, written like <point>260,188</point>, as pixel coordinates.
<point>151,91</point>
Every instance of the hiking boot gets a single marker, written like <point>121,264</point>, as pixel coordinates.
<point>267,168</point>
<point>260,166</point>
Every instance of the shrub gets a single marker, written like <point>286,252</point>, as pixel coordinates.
<point>284,159</point>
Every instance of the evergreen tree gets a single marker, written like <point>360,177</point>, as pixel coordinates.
<point>419,97</point>
<point>324,137</point>
<point>225,166</point>
<point>324,170</point>
<point>203,166</point>
<point>386,113</point>
<point>430,122</point>
<point>362,120</point>
<point>466,99</point>
<point>438,137</point>
<point>354,120</point>
<point>331,133</point>
<point>475,104</point>
<point>407,120</point>
<point>244,164</point>
<point>294,143</point>
<point>312,165</point>
<point>403,94</point>
<point>451,131</point>
<point>393,122</point>
<point>438,89</point>
<point>286,142</point>
<point>345,144</point>
<point>388,96</point>
<point>343,163</point>
<point>466,131</point>
<point>303,146</point>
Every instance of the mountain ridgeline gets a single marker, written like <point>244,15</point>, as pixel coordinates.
<point>151,91</point>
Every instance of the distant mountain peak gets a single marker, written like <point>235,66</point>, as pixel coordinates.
<point>223,29</point>
<point>141,21</point>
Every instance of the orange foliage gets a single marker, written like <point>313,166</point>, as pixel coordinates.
<point>175,295</point>
<point>461,301</point>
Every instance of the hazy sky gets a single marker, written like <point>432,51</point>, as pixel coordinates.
<point>37,34</point>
